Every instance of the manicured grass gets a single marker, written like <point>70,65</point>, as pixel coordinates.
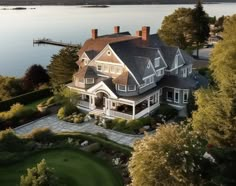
<point>75,168</point>
<point>34,104</point>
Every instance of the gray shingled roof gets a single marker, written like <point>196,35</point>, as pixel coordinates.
<point>125,79</point>
<point>168,54</point>
<point>177,82</point>
<point>86,72</point>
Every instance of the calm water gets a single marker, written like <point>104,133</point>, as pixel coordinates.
<point>73,24</point>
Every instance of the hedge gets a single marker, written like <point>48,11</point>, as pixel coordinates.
<point>25,98</point>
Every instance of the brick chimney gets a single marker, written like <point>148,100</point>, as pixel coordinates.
<point>116,29</point>
<point>139,33</point>
<point>145,33</point>
<point>94,33</point>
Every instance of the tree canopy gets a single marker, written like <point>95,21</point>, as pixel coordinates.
<point>216,114</point>
<point>10,87</point>
<point>176,28</point>
<point>168,157</point>
<point>186,27</point>
<point>34,76</point>
<point>63,66</point>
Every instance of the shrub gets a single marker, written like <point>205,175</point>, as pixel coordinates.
<point>67,110</point>
<point>39,175</point>
<point>10,142</point>
<point>25,98</point>
<point>42,135</point>
<point>109,124</point>
<point>16,112</point>
<point>166,111</point>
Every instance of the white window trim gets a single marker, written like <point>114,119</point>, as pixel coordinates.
<point>122,89</point>
<point>101,67</point>
<point>190,69</point>
<point>167,98</point>
<point>159,61</point>
<point>176,91</point>
<point>90,82</point>
<point>151,78</point>
<point>185,92</point>
<point>132,89</point>
<point>108,68</point>
<point>185,72</point>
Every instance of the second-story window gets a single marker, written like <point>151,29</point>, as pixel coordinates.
<point>106,68</point>
<point>99,67</point>
<point>122,88</point>
<point>157,62</point>
<point>89,80</point>
<point>131,88</point>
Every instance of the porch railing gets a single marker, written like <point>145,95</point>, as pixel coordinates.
<point>83,103</point>
<point>120,115</point>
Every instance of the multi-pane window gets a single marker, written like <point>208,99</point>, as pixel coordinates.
<point>89,80</point>
<point>131,88</point>
<point>122,88</point>
<point>99,67</point>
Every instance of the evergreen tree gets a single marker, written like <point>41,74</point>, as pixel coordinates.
<point>63,66</point>
<point>200,25</point>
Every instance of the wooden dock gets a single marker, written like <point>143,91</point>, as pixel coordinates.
<point>51,42</point>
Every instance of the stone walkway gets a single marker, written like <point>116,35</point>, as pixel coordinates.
<point>61,126</point>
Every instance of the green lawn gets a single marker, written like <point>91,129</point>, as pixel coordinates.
<point>75,168</point>
<point>34,104</point>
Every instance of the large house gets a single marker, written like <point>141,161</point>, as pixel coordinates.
<point>126,76</point>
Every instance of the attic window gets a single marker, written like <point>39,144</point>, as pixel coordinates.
<point>108,52</point>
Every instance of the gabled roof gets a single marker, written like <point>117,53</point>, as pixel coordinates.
<point>86,72</point>
<point>169,54</point>
<point>91,54</point>
<point>124,79</point>
<point>187,58</point>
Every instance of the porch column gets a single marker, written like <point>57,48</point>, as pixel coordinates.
<point>92,102</point>
<point>148,104</point>
<point>133,111</point>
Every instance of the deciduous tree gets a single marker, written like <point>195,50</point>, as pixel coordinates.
<point>168,157</point>
<point>176,29</point>
<point>34,76</point>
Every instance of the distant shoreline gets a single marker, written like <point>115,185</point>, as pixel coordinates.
<point>102,2</point>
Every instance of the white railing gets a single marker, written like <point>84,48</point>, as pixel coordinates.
<point>83,103</point>
<point>142,113</point>
<point>120,115</point>
<point>154,106</point>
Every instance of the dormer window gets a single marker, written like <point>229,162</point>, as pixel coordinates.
<point>122,88</point>
<point>157,62</point>
<point>89,80</point>
<point>131,87</point>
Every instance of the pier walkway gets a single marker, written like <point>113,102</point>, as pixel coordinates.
<point>51,42</point>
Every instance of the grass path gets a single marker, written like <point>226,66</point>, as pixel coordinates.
<point>75,168</point>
